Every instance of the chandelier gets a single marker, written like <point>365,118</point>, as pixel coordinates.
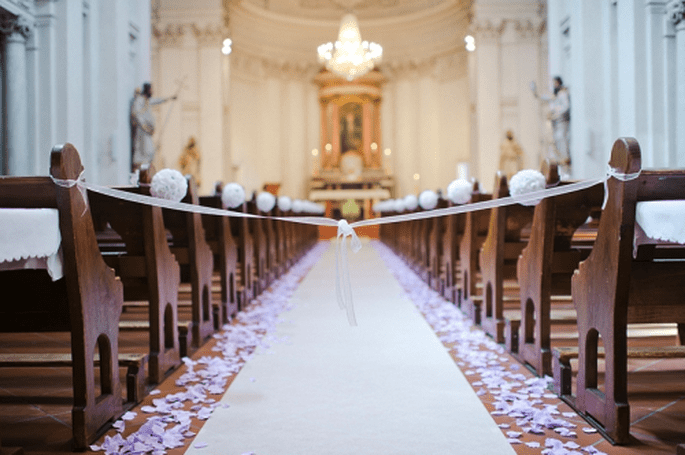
<point>350,57</point>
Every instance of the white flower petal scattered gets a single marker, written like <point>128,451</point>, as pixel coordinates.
<point>169,425</point>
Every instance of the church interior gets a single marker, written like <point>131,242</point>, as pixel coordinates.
<point>191,175</point>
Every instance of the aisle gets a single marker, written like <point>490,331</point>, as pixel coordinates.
<point>387,386</point>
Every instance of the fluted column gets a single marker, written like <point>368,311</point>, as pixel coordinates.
<point>17,31</point>
<point>676,13</point>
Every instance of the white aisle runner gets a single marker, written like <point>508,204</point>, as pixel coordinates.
<point>387,386</point>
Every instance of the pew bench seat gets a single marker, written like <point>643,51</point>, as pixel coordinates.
<point>133,362</point>
<point>512,321</point>
<point>562,357</point>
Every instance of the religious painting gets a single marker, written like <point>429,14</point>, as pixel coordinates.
<point>350,127</point>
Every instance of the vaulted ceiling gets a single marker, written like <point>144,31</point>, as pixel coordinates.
<point>410,31</point>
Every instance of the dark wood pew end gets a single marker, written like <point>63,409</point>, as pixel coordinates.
<point>680,450</point>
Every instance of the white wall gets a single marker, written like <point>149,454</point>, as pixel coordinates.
<point>624,71</point>
<point>83,59</point>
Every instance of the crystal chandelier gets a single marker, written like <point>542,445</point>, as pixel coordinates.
<point>350,57</point>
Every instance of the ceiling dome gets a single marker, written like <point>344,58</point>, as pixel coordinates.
<point>410,31</point>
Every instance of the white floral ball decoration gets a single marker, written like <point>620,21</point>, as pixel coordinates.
<point>298,206</point>
<point>525,182</point>
<point>398,205</point>
<point>285,203</point>
<point>233,195</point>
<point>459,191</point>
<point>411,202</point>
<point>428,199</point>
<point>266,201</point>
<point>169,184</point>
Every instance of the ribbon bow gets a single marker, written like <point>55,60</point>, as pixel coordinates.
<point>343,288</point>
<point>79,182</point>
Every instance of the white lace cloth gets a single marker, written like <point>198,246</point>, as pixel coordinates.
<point>30,239</point>
<point>660,221</point>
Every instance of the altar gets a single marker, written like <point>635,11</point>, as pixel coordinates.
<point>352,171</point>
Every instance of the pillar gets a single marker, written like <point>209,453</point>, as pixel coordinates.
<point>17,32</point>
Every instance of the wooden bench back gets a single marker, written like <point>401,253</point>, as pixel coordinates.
<point>92,293</point>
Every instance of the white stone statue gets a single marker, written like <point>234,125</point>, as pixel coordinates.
<point>143,125</point>
<point>560,116</point>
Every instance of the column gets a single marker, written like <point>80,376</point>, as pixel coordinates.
<point>676,12</point>
<point>17,32</point>
<point>488,100</point>
<point>655,90</point>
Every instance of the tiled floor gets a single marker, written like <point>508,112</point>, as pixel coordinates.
<point>35,410</point>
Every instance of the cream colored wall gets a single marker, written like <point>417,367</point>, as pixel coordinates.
<point>510,41</point>
<point>187,61</point>
<point>425,124</point>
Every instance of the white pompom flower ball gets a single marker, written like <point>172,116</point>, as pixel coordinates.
<point>285,203</point>
<point>459,191</point>
<point>398,205</point>
<point>428,199</point>
<point>298,206</point>
<point>169,184</point>
<point>525,182</point>
<point>266,201</point>
<point>411,202</point>
<point>233,195</point>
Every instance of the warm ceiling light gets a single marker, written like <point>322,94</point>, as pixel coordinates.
<point>350,57</point>
<point>387,152</point>
<point>226,48</point>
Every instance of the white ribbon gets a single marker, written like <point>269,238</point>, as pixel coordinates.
<point>343,285</point>
<point>343,288</point>
<point>80,183</point>
<point>613,172</point>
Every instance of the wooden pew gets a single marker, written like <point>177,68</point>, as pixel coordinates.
<point>449,269</point>
<point>138,251</point>
<point>10,450</point>
<point>282,238</point>
<point>224,247</point>
<point>189,246</point>
<point>617,285</point>
<point>87,302</point>
<point>273,262</point>
<point>475,231</point>
<point>435,248</point>
<point>261,248</point>
<point>240,230</point>
<point>498,257</point>
<point>545,268</point>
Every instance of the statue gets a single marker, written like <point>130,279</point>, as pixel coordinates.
<point>189,161</point>
<point>143,125</point>
<point>511,155</point>
<point>560,116</point>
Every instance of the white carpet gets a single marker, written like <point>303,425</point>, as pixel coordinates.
<point>387,386</point>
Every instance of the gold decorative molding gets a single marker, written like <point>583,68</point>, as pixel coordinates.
<point>169,36</point>
<point>210,34</point>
